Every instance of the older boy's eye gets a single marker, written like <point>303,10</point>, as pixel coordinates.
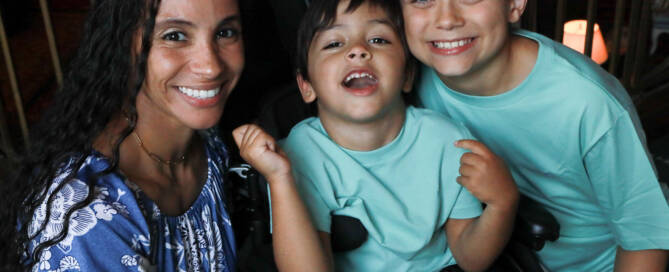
<point>174,36</point>
<point>332,45</point>
<point>379,41</point>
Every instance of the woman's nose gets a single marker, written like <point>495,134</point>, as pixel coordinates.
<point>207,62</point>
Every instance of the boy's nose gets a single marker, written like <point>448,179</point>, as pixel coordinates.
<point>359,52</point>
<point>449,16</point>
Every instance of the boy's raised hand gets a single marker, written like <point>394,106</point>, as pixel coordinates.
<point>486,176</point>
<point>260,150</point>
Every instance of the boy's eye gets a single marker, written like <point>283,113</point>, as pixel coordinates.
<point>174,36</point>
<point>333,45</point>
<point>378,41</point>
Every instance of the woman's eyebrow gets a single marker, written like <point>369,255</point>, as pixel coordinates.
<point>230,19</point>
<point>174,21</point>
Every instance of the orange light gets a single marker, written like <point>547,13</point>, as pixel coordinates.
<point>574,37</point>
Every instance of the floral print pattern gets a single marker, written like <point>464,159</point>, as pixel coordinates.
<point>114,232</point>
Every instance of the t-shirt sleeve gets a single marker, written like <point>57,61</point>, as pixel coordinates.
<point>311,197</point>
<point>627,189</point>
<point>313,200</point>
<point>466,205</point>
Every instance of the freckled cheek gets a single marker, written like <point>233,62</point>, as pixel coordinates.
<point>233,57</point>
<point>164,66</point>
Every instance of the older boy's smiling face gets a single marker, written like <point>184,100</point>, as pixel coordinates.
<point>459,37</point>
<point>356,67</point>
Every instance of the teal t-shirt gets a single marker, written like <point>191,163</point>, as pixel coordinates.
<point>573,141</point>
<point>403,192</point>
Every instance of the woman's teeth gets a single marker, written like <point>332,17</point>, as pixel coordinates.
<point>201,94</point>
<point>451,45</point>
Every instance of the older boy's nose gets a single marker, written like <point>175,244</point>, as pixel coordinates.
<point>449,16</point>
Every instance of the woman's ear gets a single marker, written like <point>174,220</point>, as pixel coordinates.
<point>307,91</point>
<point>516,9</point>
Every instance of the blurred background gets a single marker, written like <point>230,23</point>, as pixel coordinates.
<point>631,41</point>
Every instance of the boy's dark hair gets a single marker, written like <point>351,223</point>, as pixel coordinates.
<point>322,13</point>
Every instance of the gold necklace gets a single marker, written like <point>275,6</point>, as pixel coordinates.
<point>154,156</point>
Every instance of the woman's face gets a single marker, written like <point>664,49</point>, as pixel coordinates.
<point>195,61</point>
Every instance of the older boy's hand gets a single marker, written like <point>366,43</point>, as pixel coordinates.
<point>486,176</point>
<point>260,150</point>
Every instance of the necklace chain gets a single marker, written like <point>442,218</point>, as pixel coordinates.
<point>154,156</point>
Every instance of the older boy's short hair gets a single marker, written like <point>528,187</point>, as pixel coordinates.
<point>322,13</point>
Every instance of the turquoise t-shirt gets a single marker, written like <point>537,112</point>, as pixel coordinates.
<point>573,141</point>
<point>403,192</point>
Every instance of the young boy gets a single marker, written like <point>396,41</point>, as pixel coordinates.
<point>567,129</point>
<point>368,156</point>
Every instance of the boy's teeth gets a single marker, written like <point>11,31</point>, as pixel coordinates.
<point>201,94</point>
<point>451,45</point>
<point>358,75</point>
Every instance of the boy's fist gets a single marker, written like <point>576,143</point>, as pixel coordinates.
<point>260,150</point>
<point>486,176</point>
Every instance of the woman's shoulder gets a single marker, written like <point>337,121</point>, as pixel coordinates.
<point>218,152</point>
<point>111,213</point>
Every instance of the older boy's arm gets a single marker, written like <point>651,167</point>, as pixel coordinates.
<point>297,245</point>
<point>641,260</point>
<point>476,243</point>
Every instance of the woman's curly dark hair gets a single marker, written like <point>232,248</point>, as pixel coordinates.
<point>103,80</point>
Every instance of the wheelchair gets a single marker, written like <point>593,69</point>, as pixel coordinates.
<point>248,204</point>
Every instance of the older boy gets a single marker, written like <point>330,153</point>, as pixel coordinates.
<point>568,129</point>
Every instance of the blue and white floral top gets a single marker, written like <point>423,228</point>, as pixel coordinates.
<point>113,233</point>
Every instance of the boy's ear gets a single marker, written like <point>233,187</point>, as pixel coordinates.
<point>410,76</point>
<point>516,9</point>
<point>307,91</point>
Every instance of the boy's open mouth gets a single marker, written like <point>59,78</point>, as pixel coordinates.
<point>359,80</point>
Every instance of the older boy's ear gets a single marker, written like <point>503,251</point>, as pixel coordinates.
<point>307,91</point>
<point>516,9</point>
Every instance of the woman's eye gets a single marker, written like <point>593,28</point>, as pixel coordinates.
<point>174,36</point>
<point>421,3</point>
<point>333,45</point>
<point>378,41</point>
<point>227,33</point>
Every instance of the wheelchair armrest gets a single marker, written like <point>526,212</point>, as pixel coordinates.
<point>534,224</point>
<point>346,233</point>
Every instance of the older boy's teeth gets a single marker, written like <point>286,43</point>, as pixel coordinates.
<point>451,45</point>
<point>201,94</point>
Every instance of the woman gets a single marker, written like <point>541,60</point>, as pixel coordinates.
<point>123,174</point>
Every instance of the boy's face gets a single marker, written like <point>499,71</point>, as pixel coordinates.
<point>459,37</point>
<point>356,66</point>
